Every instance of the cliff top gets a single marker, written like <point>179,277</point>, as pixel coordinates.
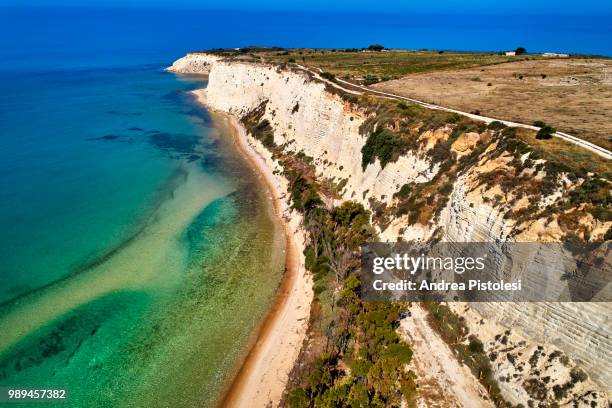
<point>524,88</point>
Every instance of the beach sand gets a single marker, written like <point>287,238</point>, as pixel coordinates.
<point>261,379</point>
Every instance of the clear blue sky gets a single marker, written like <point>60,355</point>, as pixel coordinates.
<point>442,6</point>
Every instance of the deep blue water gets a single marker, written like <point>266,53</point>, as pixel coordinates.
<point>56,38</point>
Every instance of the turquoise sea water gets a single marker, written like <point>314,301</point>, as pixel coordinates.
<point>132,236</point>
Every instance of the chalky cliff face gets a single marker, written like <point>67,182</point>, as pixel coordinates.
<point>414,196</point>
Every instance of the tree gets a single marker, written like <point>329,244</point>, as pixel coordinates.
<point>339,255</point>
<point>315,222</point>
<point>520,51</point>
<point>376,47</point>
<point>545,133</point>
<point>358,395</point>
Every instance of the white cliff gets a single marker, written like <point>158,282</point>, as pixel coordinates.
<point>193,63</point>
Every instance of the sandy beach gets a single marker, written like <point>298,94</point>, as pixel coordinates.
<point>261,379</point>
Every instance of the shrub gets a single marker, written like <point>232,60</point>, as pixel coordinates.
<point>475,345</point>
<point>577,375</point>
<point>496,125</point>
<point>545,133</point>
<point>370,79</point>
<point>520,51</point>
<point>446,188</point>
<point>304,196</point>
<point>384,145</point>
<point>402,105</point>
<point>404,191</point>
<point>351,214</point>
<point>401,353</point>
<point>376,47</point>
<point>318,289</point>
<point>595,191</point>
<point>264,133</point>
<point>328,75</point>
<point>358,396</point>
<point>298,399</point>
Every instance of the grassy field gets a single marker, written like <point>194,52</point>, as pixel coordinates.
<point>370,67</point>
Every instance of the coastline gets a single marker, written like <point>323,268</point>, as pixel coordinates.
<point>263,374</point>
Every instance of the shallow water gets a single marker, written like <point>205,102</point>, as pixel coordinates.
<point>140,251</point>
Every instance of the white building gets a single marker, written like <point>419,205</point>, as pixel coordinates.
<point>554,54</point>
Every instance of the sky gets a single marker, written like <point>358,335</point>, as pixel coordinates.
<point>437,6</point>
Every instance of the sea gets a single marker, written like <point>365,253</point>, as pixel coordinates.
<point>138,251</point>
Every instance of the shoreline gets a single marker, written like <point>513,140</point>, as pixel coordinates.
<point>262,376</point>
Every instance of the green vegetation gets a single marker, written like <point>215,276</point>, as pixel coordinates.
<point>546,133</point>
<point>384,145</point>
<point>576,376</point>
<point>496,125</point>
<point>393,128</point>
<point>328,75</point>
<point>468,348</point>
<point>258,127</point>
<point>355,359</point>
<point>520,51</point>
<point>304,194</point>
<point>373,79</point>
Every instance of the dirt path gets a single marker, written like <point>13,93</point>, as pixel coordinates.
<point>443,382</point>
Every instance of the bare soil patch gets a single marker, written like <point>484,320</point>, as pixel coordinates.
<point>573,95</point>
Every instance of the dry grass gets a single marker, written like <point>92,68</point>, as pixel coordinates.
<point>356,65</point>
<point>574,95</point>
<point>568,153</point>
